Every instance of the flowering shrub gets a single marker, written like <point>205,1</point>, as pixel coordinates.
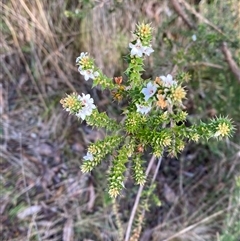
<point>154,116</point>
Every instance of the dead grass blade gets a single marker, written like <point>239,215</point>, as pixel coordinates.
<point>68,230</point>
<point>205,220</point>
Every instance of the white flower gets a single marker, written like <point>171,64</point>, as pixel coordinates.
<point>88,106</point>
<point>194,37</point>
<point>149,91</point>
<point>88,157</point>
<point>88,109</point>
<point>148,50</point>
<point>168,81</point>
<point>85,111</point>
<point>88,73</point>
<point>81,56</point>
<point>137,49</point>
<point>87,101</point>
<point>168,11</point>
<point>82,114</point>
<point>143,109</point>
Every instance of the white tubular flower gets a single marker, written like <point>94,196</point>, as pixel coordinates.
<point>81,114</point>
<point>87,101</point>
<point>88,73</point>
<point>143,109</point>
<point>85,111</point>
<point>137,49</point>
<point>88,157</point>
<point>81,56</point>
<point>149,91</point>
<point>168,81</point>
<point>87,108</point>
<point>85,98</point>
<point>148,50</point>
<point>194,37</point>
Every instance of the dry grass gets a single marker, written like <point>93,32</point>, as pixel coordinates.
<point>44,196</point>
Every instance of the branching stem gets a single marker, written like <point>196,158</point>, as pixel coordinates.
<point>135,206</point>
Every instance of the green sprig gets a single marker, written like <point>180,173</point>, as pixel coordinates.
<point>99,150</point>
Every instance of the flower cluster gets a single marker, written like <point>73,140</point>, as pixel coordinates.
<point>138,49</point>
<point>222,129</point>
<point>81,106</point>
<point>164,92</point>
<point>86,67</point>
<point>87,106</point>
<point>154,117</point>
<point>144,32</point>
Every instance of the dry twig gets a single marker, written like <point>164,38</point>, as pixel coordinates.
<point>201,18</point>
<point>232,64</point>
<point>134,209</point>
<point>178,9</point>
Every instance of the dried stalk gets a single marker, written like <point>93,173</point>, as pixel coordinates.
<point>178,9</point>
<point>134,209</point>
<point>232,64</point>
